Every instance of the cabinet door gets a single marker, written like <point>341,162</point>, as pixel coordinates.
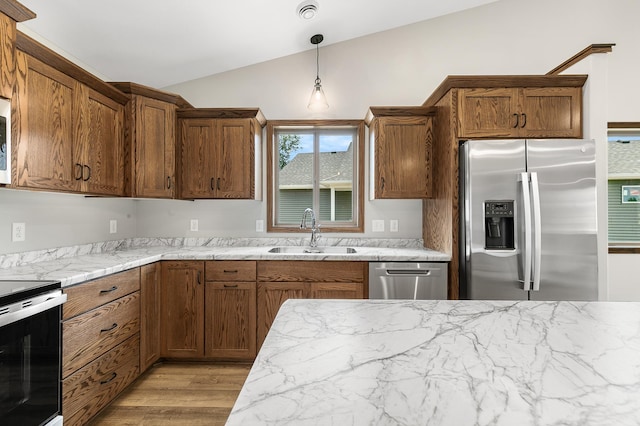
<point>149,315</point>
<point>488,113</point>
<point>44,136</point>
<point>182,300</point>
<point>403,157</point>
<point>101,136</point>
<point>230,320</point>
<point>336,291</point>
<point>550,112</point>
<point>155,148</point>
<point>7,55</point>
<point>235,159</point>
<point>271,295</point>
<point>197,158</point>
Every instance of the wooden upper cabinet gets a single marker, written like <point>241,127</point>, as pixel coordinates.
<point>217,152</point>
<point>7,55</point>
<point>541,112</point>
<point>155,143</point>
<point>100,154</point>
<point>66,135</point>
<point>401,140</point>
<point>44,127</point>
<point>150,140</point>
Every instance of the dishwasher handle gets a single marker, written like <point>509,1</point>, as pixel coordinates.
<point>412,272</point>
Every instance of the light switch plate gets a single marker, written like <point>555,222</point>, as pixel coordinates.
<point>193,225</point>
<point>377,225</point>
<point>393,225</point>
<point>259,225</point>
<point>113,226</point>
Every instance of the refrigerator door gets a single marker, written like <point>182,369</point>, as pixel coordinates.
<point>489,180</point>
<point>568,264</point>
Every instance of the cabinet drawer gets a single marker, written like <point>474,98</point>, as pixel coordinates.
<point>230,270</point>
<point>89,295</point>
<point>308,271</point>
<point>91,334</point>
<point>93,387</point>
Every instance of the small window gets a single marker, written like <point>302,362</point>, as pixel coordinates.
<point>317,165</point>
<point>623,148</point>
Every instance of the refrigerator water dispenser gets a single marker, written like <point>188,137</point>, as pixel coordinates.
<point>498,225</point>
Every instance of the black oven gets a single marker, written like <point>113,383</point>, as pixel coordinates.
<point>30,351</point>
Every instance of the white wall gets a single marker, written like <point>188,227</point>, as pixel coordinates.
<point>397,67</point>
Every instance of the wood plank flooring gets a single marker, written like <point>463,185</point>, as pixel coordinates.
<point>178,394</point>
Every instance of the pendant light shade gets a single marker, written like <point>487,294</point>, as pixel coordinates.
<point>318,100</point>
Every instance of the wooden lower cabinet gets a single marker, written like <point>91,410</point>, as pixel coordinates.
<point>182,301</point>
<point>230,310</point>
<point>88,390</point>
<point>149,315</point>
<point>279,281</point>
<point>101,343</point>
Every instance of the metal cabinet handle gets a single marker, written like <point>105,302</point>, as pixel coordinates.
<point>382,182</point>
<point>198,278</point>
<point>114,288</point>
<point>230,271</point>
<point>517,116</point>
<point>231,286</point>
<point>113,376</point>
<point>211,183</point>
<point>104,330</point>
<point>524,120</point>
<point>168,182</point>
<point>88,169</point>
<point>78,171</point>
<point>218,184</point>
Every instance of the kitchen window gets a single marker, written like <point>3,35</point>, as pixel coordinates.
<point>623,148</point>
<point>318,165</point>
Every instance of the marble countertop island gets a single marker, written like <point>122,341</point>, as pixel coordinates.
<point>330,362</point>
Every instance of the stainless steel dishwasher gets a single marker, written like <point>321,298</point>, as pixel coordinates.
<point>407,280</point>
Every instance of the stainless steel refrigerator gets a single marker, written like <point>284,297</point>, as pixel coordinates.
<point>528,220</point>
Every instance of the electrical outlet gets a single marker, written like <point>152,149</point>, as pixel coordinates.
<point>393,225</point>
<point>194,225</point>
<point>259,225</point>
<point>113,226</point>
<point>377,225</point>
<point>19,231</point>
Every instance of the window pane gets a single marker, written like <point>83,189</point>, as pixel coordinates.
<point>624,185</point>
<point>295,176</point>
<point>336,174</point>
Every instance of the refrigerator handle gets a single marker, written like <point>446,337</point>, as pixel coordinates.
<point>537,231</point>
<point>526,252</point>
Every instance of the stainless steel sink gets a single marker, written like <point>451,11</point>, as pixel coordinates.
<point>312,250</point>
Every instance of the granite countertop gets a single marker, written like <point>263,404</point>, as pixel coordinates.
<point>76,265</point>
<point>374,362</point>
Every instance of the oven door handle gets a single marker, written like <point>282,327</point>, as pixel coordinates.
<point>45,302</point>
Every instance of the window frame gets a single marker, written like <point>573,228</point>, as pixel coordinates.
<point>272,126</point>
<point>613,128</point>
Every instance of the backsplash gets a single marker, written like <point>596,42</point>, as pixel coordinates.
<point>12,260</point>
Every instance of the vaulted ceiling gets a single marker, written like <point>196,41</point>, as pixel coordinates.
<point>164,42</point>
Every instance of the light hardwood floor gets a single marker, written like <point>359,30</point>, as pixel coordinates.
<point>178,394</point>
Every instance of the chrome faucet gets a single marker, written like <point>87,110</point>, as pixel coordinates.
<point>315,228</point>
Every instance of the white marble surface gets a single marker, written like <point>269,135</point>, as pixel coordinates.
<point>446,363</point>
<point>72,265</point>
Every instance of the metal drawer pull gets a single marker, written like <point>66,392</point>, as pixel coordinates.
<point>114,288</point>
<point>230,271</point>
<point>113,376</point>
<point>231,286</point>
<point>104,330</point>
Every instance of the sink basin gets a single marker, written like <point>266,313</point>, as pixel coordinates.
<point>313,250</point>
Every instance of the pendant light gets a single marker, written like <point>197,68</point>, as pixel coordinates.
<point>317,101</point>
